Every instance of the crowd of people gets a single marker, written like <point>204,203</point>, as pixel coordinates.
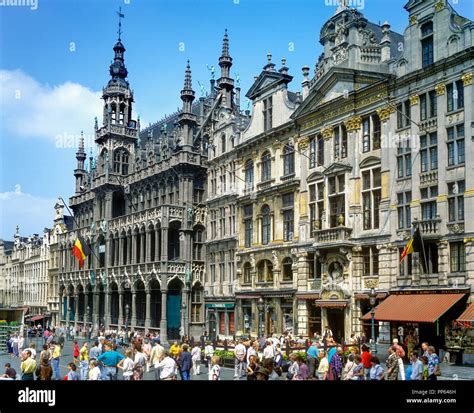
<point>112,356</point>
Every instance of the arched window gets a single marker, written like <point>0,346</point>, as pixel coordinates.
<point>266,166</point>
<point>264,271</point>
<point>198,240</point>
<point>287,269</point>
<point>288,160</point>
<point>266,225</point>
<point>121,161</point>
<point>247,277</point>
<point>249,175</point>
<point>427,55</point>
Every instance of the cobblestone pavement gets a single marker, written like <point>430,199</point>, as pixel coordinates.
<point>449,371</point>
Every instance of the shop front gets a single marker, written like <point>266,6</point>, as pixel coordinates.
<point>417,318</point>
<point>221,319</point>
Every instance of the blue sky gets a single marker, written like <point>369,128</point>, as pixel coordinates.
<point>54,62</point>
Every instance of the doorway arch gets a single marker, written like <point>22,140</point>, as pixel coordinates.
<point>173,308</point>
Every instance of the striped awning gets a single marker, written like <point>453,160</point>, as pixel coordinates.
<point>466,319</point>
<point>314,296</point>
<point>417,308</point>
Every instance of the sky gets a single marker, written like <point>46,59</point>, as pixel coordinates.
<point>55,57</point>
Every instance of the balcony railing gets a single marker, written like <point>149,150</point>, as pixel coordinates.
<point>429,178</point>
<point>430,226</point>
<point>332,234</point>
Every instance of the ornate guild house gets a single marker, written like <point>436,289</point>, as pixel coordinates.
<point>293,215</point>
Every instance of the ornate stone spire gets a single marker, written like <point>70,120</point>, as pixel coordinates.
<point>118,71</point>
<point>226,83</point>
<point>187,94</point>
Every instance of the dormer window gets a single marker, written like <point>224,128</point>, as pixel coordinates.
<point>267,113</point>
<point>427,44</point>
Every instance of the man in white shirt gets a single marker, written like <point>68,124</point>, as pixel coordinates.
<point>209,352</point>
<point>196,359</point>
<point>251,350</point>
<point>269,352</point>
<point>240,367</point>
<point>167,368</point>
<point>155,357</point>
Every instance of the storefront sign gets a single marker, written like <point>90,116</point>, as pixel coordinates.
<point>220,305</point>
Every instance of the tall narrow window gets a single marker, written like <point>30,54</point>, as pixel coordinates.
<point>371,195</point>
<point>366,134</point>
<point>427,44</point>
<point>266,225</point>
<point>247,274</point>
<point>287,265</point>
<point>121,162</point>
<point>249,175</point>
<point>288,160</point>
<point>371,260</point>
<point>404,210</point>
<point>336,196</point>
<point>457,253</point>
<point>312,152</point>
<point>429,152</point>
<point>223,146</point>
<point>288,216</point>
<point>268,113</point>
<point>456,201</point>
<point>456,151</point>
<point>266,166</point>
<point>320,153</point>
<point>248,225</point>
<point>404,159</point>
<point>428,202</point>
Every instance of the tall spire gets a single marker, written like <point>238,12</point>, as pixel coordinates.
<point>187,94</point>
<point>118,71</point>
<point>225,82</point>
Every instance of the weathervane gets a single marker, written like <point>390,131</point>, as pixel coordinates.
<point>121,16</point>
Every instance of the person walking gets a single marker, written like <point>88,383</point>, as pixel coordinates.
<point>376,371</point>
<point>392,364</point>
<point>294,368</point>
<point>196,359</point>
<point>75,352</point>
<point>366,356</point>
<point>146,347</point>
<point>185,363</point>
<point>252,367</point>
<point>312,356</point>
<point>10,372</point>
<point>126,364</point>
<point>208,353</point>
<point>44,372</point>
<point>55,360</point>
<point>302,368</point>
<point>416,366</point>
<point>358,370</point>
<point>72,373</point>
<point>109,359</point>
<point>84,360</point>
<point>323,365</point>
<point>268,351</point>
<point>27,366</point>
<point>155,357</point>
<point>335,365</point>
<point>240,357</point>
<point>167,367</point>
<point>139,362</point>
<point>433,364</point>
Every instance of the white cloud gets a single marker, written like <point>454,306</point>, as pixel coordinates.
<point>34,110</point>
<point>31,213</point>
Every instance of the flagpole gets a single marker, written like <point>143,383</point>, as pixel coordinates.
<point>423,248</point>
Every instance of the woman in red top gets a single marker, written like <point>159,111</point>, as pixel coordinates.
<point>366,356</point>
<point>75,352</point>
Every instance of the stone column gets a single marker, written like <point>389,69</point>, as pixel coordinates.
<point>185,300</point>
<point>108,251</point>
<point>68,312</point>
<point>148,310</point>
<point>163,321</point>
<point>76,309</point>
<point>157,245</point>
<point>133,257</point>
<point>107,310</point>
<point>142,247</point>
<point>95,310</point>
<point>133,321</point>
<point>120,256</point>
<point>256,319</point>
<point>120,317</point>
<point>237,317</point>
<point>86,304</point>
<point>148,246</point>
<point>278,315</point>
<point>164,244</point>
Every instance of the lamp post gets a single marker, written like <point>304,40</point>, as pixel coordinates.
<point>261,306</point>
<point>183,306</point>
<point>373,297</point>
<point>127,313</point>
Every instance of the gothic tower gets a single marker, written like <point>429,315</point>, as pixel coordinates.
<point>225,82</point>
<point>187,120</point>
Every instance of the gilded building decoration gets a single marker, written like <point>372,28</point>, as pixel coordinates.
<point>467,78</point>
<point>303,144</point>
<point>414,100</point>
<point>439,6</point>
<point>440,89</point>
<point>327,132</point>
<point>413,20</point>
<point>353,124</point>
<point>371,283</point>
<point>384,113</point>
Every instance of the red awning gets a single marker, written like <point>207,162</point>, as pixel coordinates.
<point>314,296</point>
<point>37,317</point>
<point>417,308</point>
<point>331,303</point>
<point>466,319</point>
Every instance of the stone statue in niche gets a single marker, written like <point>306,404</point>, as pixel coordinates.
<point>335,272</point>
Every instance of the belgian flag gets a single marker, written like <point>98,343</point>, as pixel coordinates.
<point>415,244</point>
<point>80,250</point>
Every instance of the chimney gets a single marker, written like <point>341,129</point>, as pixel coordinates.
<point>386,42</point>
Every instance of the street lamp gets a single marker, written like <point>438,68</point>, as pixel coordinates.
<point>127,313</point>
<point>261,306</point>
<point>183,306</point>
<point>373,297</point>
